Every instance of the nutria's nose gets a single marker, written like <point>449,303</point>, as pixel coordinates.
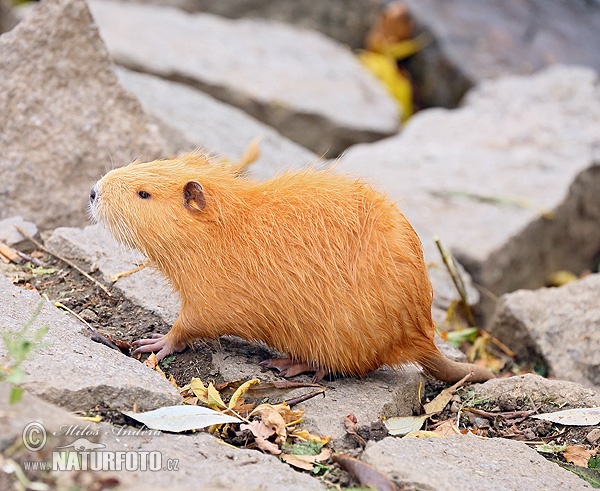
<point>93,194</point>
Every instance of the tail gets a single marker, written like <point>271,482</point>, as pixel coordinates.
<point>251,153</point>
<point>447,370</point>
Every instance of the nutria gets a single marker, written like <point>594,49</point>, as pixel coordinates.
<point>315,264</point>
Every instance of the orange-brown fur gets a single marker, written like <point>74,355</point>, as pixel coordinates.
<point>317,265</point>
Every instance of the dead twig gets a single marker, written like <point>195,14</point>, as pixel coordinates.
<point>34,260</point>
<point>456,279</point>
<point>504,415</point>
<point>305,397</point>
<point>64,260</point>
<point>95,334</point>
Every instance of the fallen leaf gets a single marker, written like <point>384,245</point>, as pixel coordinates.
<point>550,448</point>
<point>151,362</point>
<point>261,433</point>
<point>241,390</point>
<point>443,398</point>
<point>306,436</point>
<point>585,416</point>
<point>306,462</point>
<point>181,418</point>
<point>214,398</point>
<point>272,419</point>
<point>446,428</point>
<point>578,455</point>
<point>365,474</point>
<point>199,389</point>
<point>351,425</point>
<point>404,424</point>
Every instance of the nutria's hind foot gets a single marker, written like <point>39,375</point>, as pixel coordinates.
<point>289,368</point>
<point>157,343</point>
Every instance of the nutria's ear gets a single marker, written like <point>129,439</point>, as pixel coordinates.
<point>193,196</point>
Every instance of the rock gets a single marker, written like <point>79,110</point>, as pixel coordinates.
<point>476,41</point>
<point>485,176</point>
<point>538,390</point>
<point>347,21</point>
<point>7,19</point>
<point>11,237</point>
<point>557,325</point>
<point>205,463</point>
<point>72,371</point>
<point>203,121</point>
<point>64,119</point>
<point>32,432</point>
<point>310,88</point>
<point>467,463</point>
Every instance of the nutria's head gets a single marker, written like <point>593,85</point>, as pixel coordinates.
<point>154,206</point>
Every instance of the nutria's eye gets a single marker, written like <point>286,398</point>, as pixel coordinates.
<point>143,194</point>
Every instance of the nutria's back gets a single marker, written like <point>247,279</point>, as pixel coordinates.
<point>320,266</point>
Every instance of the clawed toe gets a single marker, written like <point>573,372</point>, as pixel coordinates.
<point>289,368</point>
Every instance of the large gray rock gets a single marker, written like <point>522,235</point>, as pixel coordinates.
<point>347,21</point>
<point>558,325</point>
<point>205,122</point>
<point>537,390</point>
<point>203,462</point>
<point>72,371</point>
<point>64,119</point>
<point>467,463</point>
<point>310,88</point>
<point>482,176</point>
<point>476,41</point>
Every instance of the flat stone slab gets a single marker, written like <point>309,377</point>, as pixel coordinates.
<point>64,119</point>
<point>558,325</point>
<point>485,177</point>
<point>467,463</point>
<point>205,463</point>
<point>72,371</point>
<point>475,41</point>
<point>201,121</point>
<point>308,87</point>
<point>537,389</point>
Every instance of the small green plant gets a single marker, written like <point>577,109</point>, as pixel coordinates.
<point>18,348</point>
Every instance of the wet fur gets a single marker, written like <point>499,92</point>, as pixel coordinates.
<point>317,265</point>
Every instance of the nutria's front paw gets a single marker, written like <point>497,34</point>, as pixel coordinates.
<point>159,344</point>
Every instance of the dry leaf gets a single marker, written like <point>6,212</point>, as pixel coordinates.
<point>242,389</point>
<point>199,390</point>
<point>214,398</point>
<point>309,437</point>
<point>151,362</point>
<point>584,416</point>
<point>443,398</point>
<point>365,474</point>
<point>446,428</point>
<point>351,424</point>
<point>261,433</point>
<point>578,455</point>
<point>306,462</point>
<point>403,425</point>
<point>272,419</point>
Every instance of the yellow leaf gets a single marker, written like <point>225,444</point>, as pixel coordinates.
<point>214,398</point>
<point>385,69</point>
<point>199,390</point>
<point>241,390</point>
<point>306,436</point>
<point>93,419</point>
